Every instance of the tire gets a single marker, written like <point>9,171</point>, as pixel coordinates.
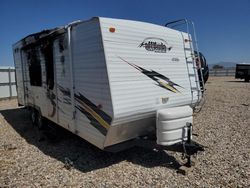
<point>206,75</point>
<point>40,121</point>
<point>36,118</point>
<point>33,116</point>
<point>246,79</point>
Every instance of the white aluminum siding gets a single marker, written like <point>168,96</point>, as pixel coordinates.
<point>135,95</point>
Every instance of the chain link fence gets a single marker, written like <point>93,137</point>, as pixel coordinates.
<point>222,72</point>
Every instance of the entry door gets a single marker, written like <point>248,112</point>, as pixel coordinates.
<point>50,80</point>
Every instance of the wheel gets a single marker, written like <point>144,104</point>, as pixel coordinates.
<point>33,116</point>
<point>246,79</point>
<point>40,121</point>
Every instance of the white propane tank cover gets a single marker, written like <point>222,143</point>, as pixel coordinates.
<point>174,113</point>
<point>174,124</point>
<point>171,124</point>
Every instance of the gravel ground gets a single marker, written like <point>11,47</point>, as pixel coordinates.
<point>29,158</point>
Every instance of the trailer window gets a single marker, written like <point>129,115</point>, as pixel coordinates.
<point>47,50</point>
<point>34,65</point>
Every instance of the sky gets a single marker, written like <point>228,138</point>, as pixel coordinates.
<point>222,26</point>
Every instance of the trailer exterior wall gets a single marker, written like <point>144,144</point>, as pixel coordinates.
<point>133,71</point>
<point>19,73</point>
<point>91,85</point>
<point>107,84</point>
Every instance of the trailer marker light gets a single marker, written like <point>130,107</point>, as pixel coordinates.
<point>111,29</point>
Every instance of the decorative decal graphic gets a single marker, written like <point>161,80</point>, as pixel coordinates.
<point>162,80</point>
<point>66,95</point>
<point>52,97</point>
<point>157,45</point>
<point>98,118</point>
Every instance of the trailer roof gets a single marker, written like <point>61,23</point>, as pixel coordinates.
<point>50,33</point>
<point>44,34</point>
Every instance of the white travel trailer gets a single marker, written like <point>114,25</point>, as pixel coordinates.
<point>110,80</point>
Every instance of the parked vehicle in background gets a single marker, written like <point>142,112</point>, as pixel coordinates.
<point>243,71</point>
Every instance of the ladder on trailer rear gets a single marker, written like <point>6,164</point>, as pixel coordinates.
<point>192,39</point>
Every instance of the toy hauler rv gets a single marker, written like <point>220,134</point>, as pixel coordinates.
<point>111,81</point>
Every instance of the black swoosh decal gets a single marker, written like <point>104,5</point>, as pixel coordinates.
<point>161,80</point>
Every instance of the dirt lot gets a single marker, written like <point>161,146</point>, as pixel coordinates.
<point>31,158</point>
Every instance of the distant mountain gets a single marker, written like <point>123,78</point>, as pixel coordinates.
<point>224,64</point>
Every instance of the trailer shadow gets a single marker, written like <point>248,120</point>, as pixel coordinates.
<point>74,152</point>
